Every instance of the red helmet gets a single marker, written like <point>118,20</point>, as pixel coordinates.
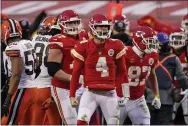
<point>69,22</point>
<point>177,40</point>
<point>10,28</point>
<point>99,20</point>
<point>144,38</point>
<point>184,23</point>
<point>47,24</point>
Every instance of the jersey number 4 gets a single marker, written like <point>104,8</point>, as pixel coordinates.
<point>102,67</point>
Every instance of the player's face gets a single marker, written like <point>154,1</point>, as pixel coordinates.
<point>72,27</point>
<point>102,30</point>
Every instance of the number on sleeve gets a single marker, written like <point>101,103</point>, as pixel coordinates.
<point>102,67</point>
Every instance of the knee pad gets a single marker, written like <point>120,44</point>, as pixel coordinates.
<point>80,122</point>
<point>113,120</point>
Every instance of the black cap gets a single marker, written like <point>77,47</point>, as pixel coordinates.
<point>120,26</point>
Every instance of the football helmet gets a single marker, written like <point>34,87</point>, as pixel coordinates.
<point>10,28</point>
<point>69,21</point>
<point>184,23</point>
<point>144,38</point>
<point>123,18</point>
<point>47,24</point>
<point>102,21</point>
<point>177,40</point>
<point>4,17</point>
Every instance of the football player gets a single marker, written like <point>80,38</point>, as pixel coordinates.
<point>140,61</point>
<point>43,81</point>
<point>19,103</point>
<point>101,60</point>
<point>178,42</point>
<point>60,62</point>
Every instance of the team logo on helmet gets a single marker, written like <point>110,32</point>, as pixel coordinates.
<point>110,52</point>
<point>140,33</point>
<point>151,61</point>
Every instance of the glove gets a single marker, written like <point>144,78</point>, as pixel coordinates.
<point>6,105</point>
<point>81,79</point>
<point>156,102</point>
<point>122,101</point>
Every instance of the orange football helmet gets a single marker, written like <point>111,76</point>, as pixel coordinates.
<point>10,28</point>
<point>47,24</point>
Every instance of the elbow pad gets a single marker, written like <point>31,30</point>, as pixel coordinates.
<point>53,67</point>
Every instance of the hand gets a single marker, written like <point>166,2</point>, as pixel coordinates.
<point>6,105</point>
<point>81,79</point>
<point>122,101</point>
<point>156,102</point>
<point>47,103</point>
<point>74,101</point>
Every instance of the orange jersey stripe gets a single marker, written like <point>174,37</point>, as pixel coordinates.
<point>13,53</point>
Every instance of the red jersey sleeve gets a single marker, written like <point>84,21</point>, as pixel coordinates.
<point>56,42</point>
<point>79,51</point>
<point>120,49</point>
<point>78,64</point>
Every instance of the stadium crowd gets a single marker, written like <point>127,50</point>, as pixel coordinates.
<point>54,72</point>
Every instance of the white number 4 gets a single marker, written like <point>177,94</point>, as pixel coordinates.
<point>102,67</point>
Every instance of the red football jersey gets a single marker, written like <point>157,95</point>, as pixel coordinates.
<point>99,65</point>
<point>65,43</point>
<point>184,64</point>
<point>138,69</point>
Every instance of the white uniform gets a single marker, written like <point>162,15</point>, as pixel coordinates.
<point>107,100</point>
<point>23,100</point>
<point>41,46</point>
<point>27,53</point>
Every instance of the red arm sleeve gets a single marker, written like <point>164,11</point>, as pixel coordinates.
<point>121,70</point>
<point>78,64</point>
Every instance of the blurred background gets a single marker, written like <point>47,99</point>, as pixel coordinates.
<point>169,12</point>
